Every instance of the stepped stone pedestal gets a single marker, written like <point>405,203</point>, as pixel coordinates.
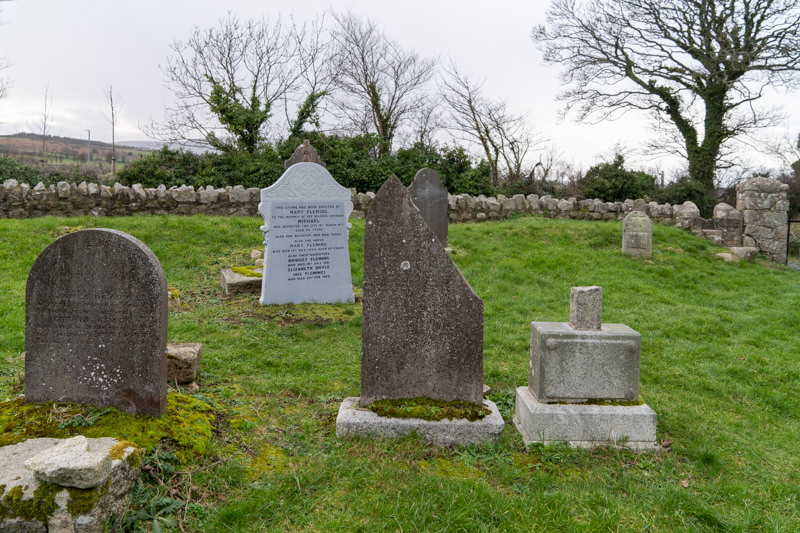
<point>583,382</point>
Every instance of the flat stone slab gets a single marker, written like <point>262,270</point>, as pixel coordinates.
<point>113,499</point>
<point>355,421</point>
<point>75,462</point>
<point>585,426</point>
<point>235,283</point>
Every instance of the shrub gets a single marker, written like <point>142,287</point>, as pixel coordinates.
<point>612,182</point>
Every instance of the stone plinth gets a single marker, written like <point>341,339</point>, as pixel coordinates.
<point>571,365</point>
<point>354,421</point>
<point>583,425</point>
<point>234,283</point>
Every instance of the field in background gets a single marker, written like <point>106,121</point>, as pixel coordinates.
<point>719,366</point>
<point>65,153</point>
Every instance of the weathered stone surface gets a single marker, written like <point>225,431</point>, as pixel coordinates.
<point>637,235</point>
<point>764,206</point>
<point>305,153</point>
<point>235,283</point>
<point>430,197</point>
<point>586,307</point>
<point>353,421</point>
<point>422,332</point>
<point>72,462</point>
<point>113,498</point>
<point>183,362</point>
<point>570,365</point>
<point>306,236</point>
<point>745,253</point>
<point>585,426</point>
<point>96,323</point>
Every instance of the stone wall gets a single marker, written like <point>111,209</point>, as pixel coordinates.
<point>759,220</point>
<point>765,205</point>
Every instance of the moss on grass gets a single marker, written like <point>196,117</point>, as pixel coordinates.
<point>429,409</point>
<point>188,423</point>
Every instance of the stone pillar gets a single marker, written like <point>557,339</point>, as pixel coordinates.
<point>765,206</point>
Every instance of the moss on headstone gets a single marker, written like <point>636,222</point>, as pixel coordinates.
<point>249,271</point>
<point>429,409</point>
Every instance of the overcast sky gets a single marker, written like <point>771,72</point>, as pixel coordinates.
<point>77,49</point>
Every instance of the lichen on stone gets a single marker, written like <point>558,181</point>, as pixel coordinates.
<point>428,409</point>
<point>249,271</point>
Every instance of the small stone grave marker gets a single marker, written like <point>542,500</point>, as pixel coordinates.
<point>306,237</point>
<point>96,324</point>
<point>637,235</point>
<point>430,197</point>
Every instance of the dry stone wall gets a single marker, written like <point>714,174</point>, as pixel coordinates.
<point>759,219</point>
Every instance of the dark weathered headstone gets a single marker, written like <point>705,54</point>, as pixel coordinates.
<point>422,330</point>
<point>430,197</point>
<point>305,153</point>
<point>96,324</point>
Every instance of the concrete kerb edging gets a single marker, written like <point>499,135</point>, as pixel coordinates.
<point>354,421</point>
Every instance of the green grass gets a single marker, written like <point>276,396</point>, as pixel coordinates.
<point>719,366</point>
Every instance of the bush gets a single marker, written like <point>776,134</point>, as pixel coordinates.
<point>612,182</point>
<point>12,169</point>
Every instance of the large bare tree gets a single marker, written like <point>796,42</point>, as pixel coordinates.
<point>380,84</point>
<point>226,80</point>
<point>696,65</point>
<point>503,138</point>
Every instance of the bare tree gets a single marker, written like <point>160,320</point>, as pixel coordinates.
<point>697,65</point>
<point>505,139</point>
<point>43,123</point>
<point>112,117</point>
<point>226,80</point>
<point>380,83</point>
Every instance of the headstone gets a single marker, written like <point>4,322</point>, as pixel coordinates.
<point>306,234</point>
<point>422,330</point>
<point>96,324</point>
<point>305,153</point>
<point>430,197</point>
<point>637,235</point>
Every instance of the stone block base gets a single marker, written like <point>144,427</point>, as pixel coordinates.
<point>235,283</point>
<point>354,421</point>
<point>585,426</point>
<point>183,362</point>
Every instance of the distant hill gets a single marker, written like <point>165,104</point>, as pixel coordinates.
<point>66,151</point>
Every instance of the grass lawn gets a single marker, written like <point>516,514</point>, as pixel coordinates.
<point>720,365</point>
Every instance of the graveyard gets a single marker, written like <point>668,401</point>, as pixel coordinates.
<point>253,446</point>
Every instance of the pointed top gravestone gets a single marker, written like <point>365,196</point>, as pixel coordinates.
<point>305,153</point>
<point>422,330</point>
<point>96,324</point>
<point>430,197</point>
<point>306,237</point>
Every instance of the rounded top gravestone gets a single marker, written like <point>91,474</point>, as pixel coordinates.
<point>96,324</point>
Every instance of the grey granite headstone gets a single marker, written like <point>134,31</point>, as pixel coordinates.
<point>430,197</point>
<point>96,324</point>
<point>637,235</point>
<point>422,330</point>
<point>306,233</point>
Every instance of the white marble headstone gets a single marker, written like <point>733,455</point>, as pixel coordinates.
<point>305,233</point>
